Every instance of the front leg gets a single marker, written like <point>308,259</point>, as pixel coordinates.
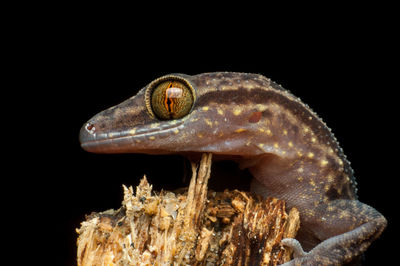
<point>347,228</point>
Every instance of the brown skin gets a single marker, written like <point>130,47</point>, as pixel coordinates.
<point>290,152</point>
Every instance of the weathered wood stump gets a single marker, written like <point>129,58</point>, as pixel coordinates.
<point>196,227</point>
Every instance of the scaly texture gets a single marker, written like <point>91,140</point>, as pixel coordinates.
<point>247,118</point>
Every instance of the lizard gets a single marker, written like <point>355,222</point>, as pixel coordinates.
<point>289,151</point>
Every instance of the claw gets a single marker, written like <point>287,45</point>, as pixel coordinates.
<point>295,245</point>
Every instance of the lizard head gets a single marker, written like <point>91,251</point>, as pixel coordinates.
<point>181,114</point>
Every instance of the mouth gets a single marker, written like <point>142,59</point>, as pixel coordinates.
<point>228,173</point>
<point>122,141</point>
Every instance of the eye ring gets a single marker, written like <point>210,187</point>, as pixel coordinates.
<point>169,97</point>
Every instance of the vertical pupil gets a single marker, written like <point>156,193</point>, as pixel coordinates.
<point>169,104</point>
<point>168,100</point>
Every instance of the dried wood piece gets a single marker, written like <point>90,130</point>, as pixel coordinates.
<point>197,227</point>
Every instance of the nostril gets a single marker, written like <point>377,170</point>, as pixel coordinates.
<point>87,134</point>
<point>90,128</point>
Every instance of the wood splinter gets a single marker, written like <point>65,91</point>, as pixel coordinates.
<point>198,227</point>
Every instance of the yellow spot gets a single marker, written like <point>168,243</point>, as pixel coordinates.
<point>269,133</point>
<point>132,131</point>
<point>330,150</point>
<point>313,139</point>
<point>208,122</point>
<point>344,214</point>
<point>299,153</point>
<point>310,155</point>
<point>285,132</point>
<point>290,144</point>
<point>237,111</point>
<point>240,130</point>
<point>205,108</point>
<point>324,163</point>
<point>199,135</point>
<point>154,125</point>
<point>138,141</point>
<point>112,134</point>
<point>310,212</point>
<point>306,129</point>
<point>300,170</point>
<point>300,178</point>
<point>261,129</point>
<point>330,208</point>
<point>261,107</point>
<point>310,118</point>
<point>261,145</point>
<point>340,162</point>
<point>176,131</point>
<point>312,183</point>
<point>152,138</point>
<point>304,196</point>
<point>194,119</point>
<point>276,145</point>
<point>220,112</point>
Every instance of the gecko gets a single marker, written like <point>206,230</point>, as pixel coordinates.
<point>247,118</point>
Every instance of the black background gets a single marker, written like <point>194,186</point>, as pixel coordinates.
<point>81,62</point>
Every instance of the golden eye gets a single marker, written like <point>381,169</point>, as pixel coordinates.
<point>171,99</point>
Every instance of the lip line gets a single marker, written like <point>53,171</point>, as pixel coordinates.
<point>105,140</point>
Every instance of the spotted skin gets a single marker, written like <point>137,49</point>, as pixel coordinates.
<point>288,149</point>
